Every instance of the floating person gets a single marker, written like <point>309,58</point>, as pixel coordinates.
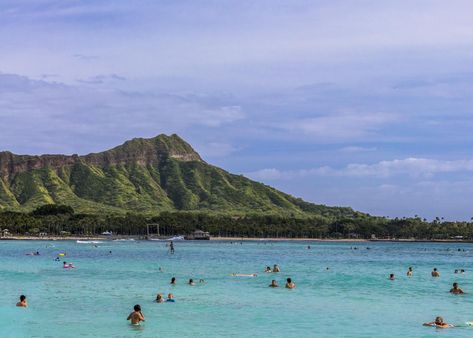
<point>391,277</point>
<point>171,247</point>
<point>462,271</point>
<point>410,271</point>
<point>173,281</point>
<point>23,302</point>
<point>439,323</point>
<point>290,284</point>
<point>276,268</point>
<point>456,290</point>
<point>170,298</point>
<point>268,269</point>
<point>68,265</point>
<point>136,316</point>
<point>159,298</point>
<point>456,271</point>
<point>191,282</point>
<point>435,273</point>
<point>273,284</point>
<point>244,275</point>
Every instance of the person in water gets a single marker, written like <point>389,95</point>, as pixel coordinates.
<point>170,298</point>
<point>22,302</point>
<point>456,290</point>
<point>439,323</point>
<point>273,284</point>
<point>268,269</point>
<point>136,316</point>
<point>173,281</point>
<point>191,282</point>
<point>391,277</point>
<point>276,268</point>
<point>159,298</point>
<point>435,273</point>
<point>409,271</point>
<point>290,284</point>
<point>171,247</point>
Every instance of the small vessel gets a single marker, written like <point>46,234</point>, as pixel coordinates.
<point>198,235</point>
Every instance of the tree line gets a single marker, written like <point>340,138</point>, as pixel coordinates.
<point>62,220</point>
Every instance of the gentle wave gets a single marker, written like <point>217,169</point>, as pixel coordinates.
<point>89,242</point>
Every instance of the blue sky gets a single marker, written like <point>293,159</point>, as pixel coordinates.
<point>358,103</point>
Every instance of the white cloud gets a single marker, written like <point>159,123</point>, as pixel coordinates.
<point>412,167</point>
<point>346,126</point>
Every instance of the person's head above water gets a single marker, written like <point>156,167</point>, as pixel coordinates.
<point>391,276</point>
<point>289,280</point>
<point>435,269</point>
<point>173,280</point>
<point>137,308</point>
<point>22,298</point>
<point>439,320</point>
<point>170,296</point>
<point>191,281</point>
<point>455,285</point>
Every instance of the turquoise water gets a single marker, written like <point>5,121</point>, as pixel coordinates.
<point>354,298</point>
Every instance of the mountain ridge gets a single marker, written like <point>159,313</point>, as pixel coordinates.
<point>163,173</point>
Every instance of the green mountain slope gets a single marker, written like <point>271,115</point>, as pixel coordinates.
<point>142,175</point>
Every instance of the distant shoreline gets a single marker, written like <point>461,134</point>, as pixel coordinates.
<point>234,239</point>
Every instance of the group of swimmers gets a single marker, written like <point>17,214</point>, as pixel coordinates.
<point>456,290</point>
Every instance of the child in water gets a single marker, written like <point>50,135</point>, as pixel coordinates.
<point>170,298</point>
<point>159,298</point>
<point>22,302</point>
<point>136,316</point>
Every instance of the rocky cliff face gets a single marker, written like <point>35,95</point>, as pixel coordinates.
<point>137,151</point>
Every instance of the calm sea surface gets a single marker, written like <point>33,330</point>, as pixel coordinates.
<point>354,298</point>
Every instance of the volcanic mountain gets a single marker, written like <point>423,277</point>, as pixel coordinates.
<point>146,176</point>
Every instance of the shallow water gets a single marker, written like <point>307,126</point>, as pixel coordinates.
<point>354,298</point>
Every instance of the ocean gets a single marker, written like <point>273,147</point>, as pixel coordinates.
<point>352,298</point>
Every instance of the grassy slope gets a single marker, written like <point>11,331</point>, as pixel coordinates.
<point>171,184</point>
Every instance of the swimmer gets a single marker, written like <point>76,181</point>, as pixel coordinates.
<point>276,268</point>
<point>22,302</point>
<point>170,298</point>
<point>391,277</point>
<point>201,280</point>
<point>159,298</point>
<point>171,247</point>
<point>456,290</point>
<point>456,271</point>
<point>173,281</point>
<point>409,271</point>
<point>273,284</point>
<point>136,316</point>
<point>191,282</point>
<point>435,273</point>
<point>439,323</point>
<point>308,247</point>
<point>290,284</point>
<point>268,269</point>
<point>462,271</point>
<point>160,269</point>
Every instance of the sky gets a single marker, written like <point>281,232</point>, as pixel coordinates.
<point>364,103</point>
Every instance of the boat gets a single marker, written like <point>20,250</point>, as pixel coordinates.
<point>198,235</point>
